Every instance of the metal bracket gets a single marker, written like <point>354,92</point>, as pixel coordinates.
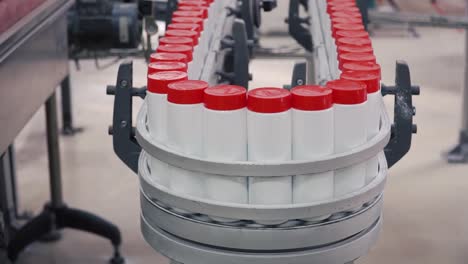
<point>299,76</point>
<point>123,134</point>
<point>248,14</point>
<point>296,25</point>
<point>236,67</point>
<point>403,127</point>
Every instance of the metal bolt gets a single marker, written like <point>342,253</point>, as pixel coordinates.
<point>124,83</point>
<point>123,124</point>
<point>300,82</point>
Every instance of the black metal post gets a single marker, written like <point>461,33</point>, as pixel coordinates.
<point>14,194</point>
<point>460,153</point>
<point>56,215</point>
<point>67,115</point>
<point>53,152</point>
<point>5,199</point>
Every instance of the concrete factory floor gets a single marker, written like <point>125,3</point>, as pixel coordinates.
<point>426,220</point>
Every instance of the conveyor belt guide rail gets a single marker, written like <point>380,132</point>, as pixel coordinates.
<point>128,150</point>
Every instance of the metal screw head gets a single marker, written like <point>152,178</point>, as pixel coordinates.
<point>124,83</point>
<point>123,124</point>
<point>300,82</point>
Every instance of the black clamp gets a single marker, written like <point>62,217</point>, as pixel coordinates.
<point>123,133</point>
<point>236,66</point>
<point>296,27</point>
<point>403,127</point>
<point>299,75</point>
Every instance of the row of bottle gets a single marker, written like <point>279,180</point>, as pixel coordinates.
<point>224,123</point>
<point>354,53</point>
<point>189,34</point>
<point>269,128</point>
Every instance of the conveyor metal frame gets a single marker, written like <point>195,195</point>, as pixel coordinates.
<point>346,202</point>
<point>34,47</point>
<point>195,239</point>
<point>184,251</point>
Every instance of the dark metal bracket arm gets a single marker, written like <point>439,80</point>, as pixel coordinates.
<point>236,70</point>
<point>296,25</point>
<point>403,127</point>
<point>122,131</point>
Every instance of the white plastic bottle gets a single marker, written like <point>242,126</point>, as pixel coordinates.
<point>313,123</point>
<point>350,107</point>
<point>269,136</point>
<point>184,132</point>
<point>374,100</point>
<point>225,139</point>
<point>156,98</point>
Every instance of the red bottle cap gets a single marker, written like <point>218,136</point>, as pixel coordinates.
<point>196,8</point>
<point>165,56</point>
<point>174,48</point>
<point>351,34</point>
<point>348,92</point>
<point>188,14</point>
<point>225,97</point>
<point>185,26</point>
<point>355,57</point>
<point>160,66</point>
<point>343,49</point>
<point>341,8</point>
<point>186,92</point>
<point>349,27</point>
<point>346,13</point>
<point>311,98</point>
<point>370,79</point>
<point>346,20</point>
<point>188,20</point>
<point>193,3</point>
<point>333,4</point>
<point>269,100</point>
<point>176,40</point>
<point>354,42</point>
<point>363,66</point>
<point>183,33</point>
<point>158,82</point>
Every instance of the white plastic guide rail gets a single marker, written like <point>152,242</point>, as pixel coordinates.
<point>215,57</point>
<point>325,56</point>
